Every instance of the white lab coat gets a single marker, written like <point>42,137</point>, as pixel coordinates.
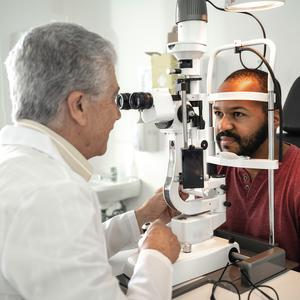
<point>52,243</point>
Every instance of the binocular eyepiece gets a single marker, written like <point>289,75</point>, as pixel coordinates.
<point>138,101</point>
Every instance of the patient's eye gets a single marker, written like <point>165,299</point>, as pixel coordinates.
<point>238,114</point>
<point>218,114</point>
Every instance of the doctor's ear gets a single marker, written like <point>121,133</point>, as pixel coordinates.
<point>76,107</point>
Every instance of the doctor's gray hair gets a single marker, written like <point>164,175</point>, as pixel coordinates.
<point>51,61</point>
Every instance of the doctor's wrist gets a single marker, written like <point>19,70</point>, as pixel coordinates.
<point>141,217</point>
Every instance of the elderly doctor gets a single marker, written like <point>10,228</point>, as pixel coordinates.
<point>53,245</point>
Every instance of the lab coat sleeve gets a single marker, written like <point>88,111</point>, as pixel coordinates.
<point>56,249</point>
<point>152,277</point>
<point>124,227</point>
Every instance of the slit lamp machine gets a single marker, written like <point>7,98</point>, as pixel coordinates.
<point>192,155</point>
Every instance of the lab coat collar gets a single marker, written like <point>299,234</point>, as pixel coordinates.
<point>35,135</point>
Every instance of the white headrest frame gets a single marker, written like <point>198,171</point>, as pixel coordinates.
<point>252,96</point>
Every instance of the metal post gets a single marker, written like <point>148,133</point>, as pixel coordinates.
<point>271,172</point>
<point>184,117</point>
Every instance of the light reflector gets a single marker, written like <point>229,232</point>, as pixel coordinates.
<point>253,5</point>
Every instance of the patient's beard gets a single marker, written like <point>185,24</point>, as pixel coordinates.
<point>247,145</point>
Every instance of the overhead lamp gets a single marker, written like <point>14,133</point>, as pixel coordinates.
<point>251,5</point>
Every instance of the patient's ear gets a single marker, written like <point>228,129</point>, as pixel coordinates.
<point>76,106</point>
<point>276,118</point>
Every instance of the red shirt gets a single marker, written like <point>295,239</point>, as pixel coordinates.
<point>249,212</point>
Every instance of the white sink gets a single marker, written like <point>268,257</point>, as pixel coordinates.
<point>109,191</point>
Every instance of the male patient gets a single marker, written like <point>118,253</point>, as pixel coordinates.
<point>52,243</point>
<point>242,128</point>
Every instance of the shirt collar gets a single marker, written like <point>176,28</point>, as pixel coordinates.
<point>37,136</point>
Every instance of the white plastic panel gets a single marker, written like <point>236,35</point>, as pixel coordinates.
<point>252,96</point>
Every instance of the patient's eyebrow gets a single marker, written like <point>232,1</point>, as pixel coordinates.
<point>215,107</point>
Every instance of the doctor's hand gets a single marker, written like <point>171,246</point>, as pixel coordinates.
<point>155,208</point>
<point>161,238</point>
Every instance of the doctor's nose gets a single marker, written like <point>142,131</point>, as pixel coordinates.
<point>118,117</point>
<point>117,113</point>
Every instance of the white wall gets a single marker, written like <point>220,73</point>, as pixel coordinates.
<point>136,26</point>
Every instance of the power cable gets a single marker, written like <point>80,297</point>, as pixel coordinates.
<point>254,286</point>
<point>220,281</point>
<point>258,287</point>
<point>261,26</point>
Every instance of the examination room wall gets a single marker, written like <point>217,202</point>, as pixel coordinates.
<point>136,26</point>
